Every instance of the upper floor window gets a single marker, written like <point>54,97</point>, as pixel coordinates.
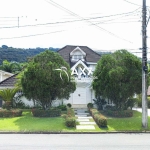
<point>77,54</point>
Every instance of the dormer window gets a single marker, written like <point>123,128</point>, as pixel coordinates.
<point>77,54</point>
<point>77,57</point>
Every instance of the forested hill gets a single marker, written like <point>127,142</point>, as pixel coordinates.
<point>20,54</point>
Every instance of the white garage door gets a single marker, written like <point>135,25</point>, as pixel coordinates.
<point>79,96</point>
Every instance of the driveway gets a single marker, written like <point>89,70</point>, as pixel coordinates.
<point>140,110</point>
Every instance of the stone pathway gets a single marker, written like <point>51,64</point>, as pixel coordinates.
<point>84,120</point>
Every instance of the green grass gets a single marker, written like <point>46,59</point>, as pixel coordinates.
<point>126,124</point>
<point>28,123</point>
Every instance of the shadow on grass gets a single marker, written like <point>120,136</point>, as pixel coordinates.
<point>28,123</point>
<point>125,124</point>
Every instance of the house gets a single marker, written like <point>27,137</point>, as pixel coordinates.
<point>82,61</point>
<point>4,75</point>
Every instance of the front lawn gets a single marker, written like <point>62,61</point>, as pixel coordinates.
<point>126,124</point>
<point>28,123</point>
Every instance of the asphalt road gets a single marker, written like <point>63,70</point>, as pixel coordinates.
<point>112,141</point>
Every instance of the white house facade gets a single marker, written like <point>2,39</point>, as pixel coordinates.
<point>82,61</point>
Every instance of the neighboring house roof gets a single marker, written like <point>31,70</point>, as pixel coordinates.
<point>8,73</point>
<point>9,82</point>
<point>91,56</point>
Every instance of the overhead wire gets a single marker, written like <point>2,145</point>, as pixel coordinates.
<point>24,36</point>
<point>74,14</point>
<point>69,21</point>
<point>91,23</point>
<point>132,3</point>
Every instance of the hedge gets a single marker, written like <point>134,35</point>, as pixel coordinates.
<point>70,119</point>
<point>46,113</point>
<point>120,114</point>
<point>10,113</point>
<point>98,117</point>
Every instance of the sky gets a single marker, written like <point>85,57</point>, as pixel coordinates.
<point>99,24</point>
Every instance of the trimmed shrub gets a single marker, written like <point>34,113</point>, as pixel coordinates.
<point>120,114</point>
<point>70,119</point>
<point>46,113</point>
<point>98,117</point>
<point>70,122</point>
<point>93,111</point>
<point>69,105</point>
<point>70,112</point>
<point>102,121</point>
<point>62,107</point>
<point>10,113</point>
<point>90,105</point>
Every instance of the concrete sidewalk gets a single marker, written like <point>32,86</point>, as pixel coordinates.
<point>140,110</point>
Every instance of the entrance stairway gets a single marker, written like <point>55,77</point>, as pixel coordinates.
<point>84,119</point>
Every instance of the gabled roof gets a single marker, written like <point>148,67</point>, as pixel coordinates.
<point>9,82</point>
<point>4,72</point>
<point>91,56</point>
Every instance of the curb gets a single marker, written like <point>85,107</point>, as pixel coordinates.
<point>121,132</point>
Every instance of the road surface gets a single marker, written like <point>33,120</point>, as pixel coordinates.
<point>112,141</point>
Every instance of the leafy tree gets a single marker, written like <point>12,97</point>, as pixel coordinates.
<point>42,80</point>
<point>12,67</point>
<point>118,77</point>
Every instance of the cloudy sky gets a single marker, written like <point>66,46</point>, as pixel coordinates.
<point>99,24</point>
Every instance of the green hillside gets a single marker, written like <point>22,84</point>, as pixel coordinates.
<point>20,54</point>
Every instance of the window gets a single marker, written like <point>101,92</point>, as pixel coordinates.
<point>77,57</point>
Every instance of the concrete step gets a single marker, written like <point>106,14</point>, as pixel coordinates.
<point>89,117</point>
<point>83,120</point>
<point>81,115</point>
<point>87,123</point>
<point>80,110</point>
<point>79,106</point>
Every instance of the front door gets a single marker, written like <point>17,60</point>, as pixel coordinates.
<point>79,96</point>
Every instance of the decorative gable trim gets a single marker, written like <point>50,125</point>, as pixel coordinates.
<point>79,62</point>
<point>78,48</point>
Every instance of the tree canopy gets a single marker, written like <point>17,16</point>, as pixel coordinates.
<point>12,67</point>
<point>20,54</point>
<point>118,77</point>
<point>43,81</point>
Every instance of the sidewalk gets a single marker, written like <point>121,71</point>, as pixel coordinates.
<point>84,120</point>
<point>140,110</point>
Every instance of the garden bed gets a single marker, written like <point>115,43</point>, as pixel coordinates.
<point>119,114</point>
<point>46,113</point>
<point>10,113</point>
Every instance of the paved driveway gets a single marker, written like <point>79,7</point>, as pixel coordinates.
<point>140,110</point>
